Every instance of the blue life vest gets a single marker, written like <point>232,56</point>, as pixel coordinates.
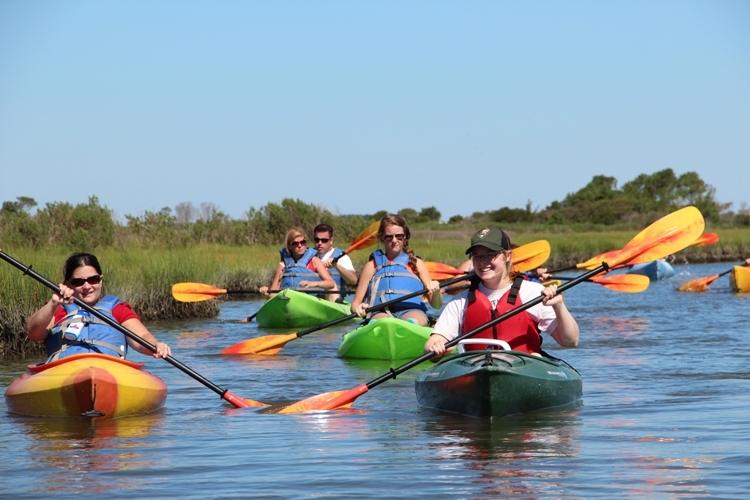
<point>295,272</point>
<point>95,335</point>
<point>335,274</point>
<point>393,279</point>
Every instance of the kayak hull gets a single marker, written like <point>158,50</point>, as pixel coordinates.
<point>86,385</point>
<point>656,271</point>
<point>739,279</point>
<point>496,383</point>
<point>291,309</point>
<point>386,338</point>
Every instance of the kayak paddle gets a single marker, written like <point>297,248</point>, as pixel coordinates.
<point>667,235</point>
<point>271,344</point>
<point>198,292</point>
<point>237,401</point>
<point>705,240</point>
<point>365,239</point>
<point>701,284</point>
<point>626,283</point>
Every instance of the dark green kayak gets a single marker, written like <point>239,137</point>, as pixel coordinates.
<point>386,338</point>
<point>290,309</point>
<point>495,383</point>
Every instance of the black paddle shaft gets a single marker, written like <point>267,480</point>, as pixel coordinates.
<point>114,324</point>
<point>425,357</point>
<point>378,307</point>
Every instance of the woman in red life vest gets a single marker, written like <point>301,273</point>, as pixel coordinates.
<point>393,272</point>
<point>494,292</point>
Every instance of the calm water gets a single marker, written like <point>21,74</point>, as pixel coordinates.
<point>665,414</point>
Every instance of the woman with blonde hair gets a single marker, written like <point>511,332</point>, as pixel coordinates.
<point>299,266</point>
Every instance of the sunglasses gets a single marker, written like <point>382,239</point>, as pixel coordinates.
<point>91,280</point>
<point>485,257</point>
<point>299,243</point>
<point>322,240</point>
<point>389,237</point>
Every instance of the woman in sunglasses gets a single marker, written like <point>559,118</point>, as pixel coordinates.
<point>493,291</point>
<point>394,272</point>
<point>67,330</point>
<point>299,267</point>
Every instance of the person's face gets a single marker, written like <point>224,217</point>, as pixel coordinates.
<point>394,238</point>
<point>323,242</point>
<point>488,263</point>
<point>86,283</point>
<point>298,247</point>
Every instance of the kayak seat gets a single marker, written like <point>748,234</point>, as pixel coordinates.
<point>490,342</point>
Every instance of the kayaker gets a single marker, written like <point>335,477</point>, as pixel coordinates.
<point>394,272</point>
<point>541,275</point>
<point>493,292</point>
<point>299,267</point>
<point>341,270</point>
<point>67,330</point>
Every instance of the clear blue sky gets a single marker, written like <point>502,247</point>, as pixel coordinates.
<point>364,106</point>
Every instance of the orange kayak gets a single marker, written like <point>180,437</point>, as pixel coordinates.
<point>86,385</point>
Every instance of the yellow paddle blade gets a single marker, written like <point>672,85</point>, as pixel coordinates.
<point>597,260</point>
<point>196,292</point>
<point>626,283</point>
<point>327,401</point>
<point>269,344</point>
<point>698,285</point>
<point>530,256</point>
<point>667,235</point>
<point>366,238</point>
<point>705,240</point>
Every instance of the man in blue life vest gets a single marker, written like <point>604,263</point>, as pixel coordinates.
<point>339,265</point>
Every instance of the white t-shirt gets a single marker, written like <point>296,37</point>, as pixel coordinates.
<point>449,324</point>
<point>345,262</point>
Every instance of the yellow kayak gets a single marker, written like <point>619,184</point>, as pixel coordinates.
<point>86,385</point>
<point>740,279</point>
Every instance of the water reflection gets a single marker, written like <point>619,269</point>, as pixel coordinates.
<point>78,450</point>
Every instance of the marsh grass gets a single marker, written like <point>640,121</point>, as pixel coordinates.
<point>144,275</point>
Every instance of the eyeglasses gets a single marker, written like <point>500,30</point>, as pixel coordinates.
<point>399,237</point>
<point>485,257</point>
<point>91,280</point>
<point>322,240</point>
<point>299,243</point>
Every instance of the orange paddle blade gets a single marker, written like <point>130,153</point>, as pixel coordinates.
<point>269,344</point>
<point>626,283</point>
<point>597,260</point>
<point>440,271</point>
<point>196,292</point>
<point>239,402</point>
<point>530,256</point>
<point>705,240</point>
<point>667,235</point>
<point>327,401</point>
<point>366,238</point>
<point>699,285</point>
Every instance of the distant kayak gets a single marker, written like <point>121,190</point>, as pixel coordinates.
<point>656,271</point>
<point>86,385</point>
<point>386,338</point>
<point>291,309</point>
<point>496,383</point>
<point>740,279</point>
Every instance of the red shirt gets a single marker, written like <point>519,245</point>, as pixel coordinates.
<point>121,312</point>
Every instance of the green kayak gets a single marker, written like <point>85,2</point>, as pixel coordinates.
<point>290,309</point>
<point>386,338</point>
<point>494,383</point>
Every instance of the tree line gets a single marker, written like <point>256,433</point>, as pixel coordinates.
<point>91,225</point>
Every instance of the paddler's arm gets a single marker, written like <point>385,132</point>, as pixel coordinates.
<point>276,283</point>
<point>566,333</point>
<point>326,281</point>
<point>135,326</point>
<point>358,307</point>
<point>433,287</point>
<point>41,322</point>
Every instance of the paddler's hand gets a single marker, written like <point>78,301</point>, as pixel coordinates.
<point>263,290</point>
<point>64,297</point>
<point>436,345</point>
<point>551,298</point>
<point>162,350</point>
<point>328,263</point>
<point>360,309</point>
